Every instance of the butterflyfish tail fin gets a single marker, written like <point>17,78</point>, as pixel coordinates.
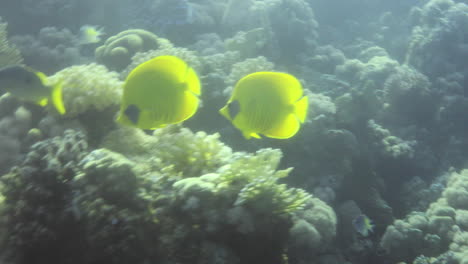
<point>300,108</point>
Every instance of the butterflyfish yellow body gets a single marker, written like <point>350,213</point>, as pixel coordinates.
<point>267,103</point>
<point>158,92</point>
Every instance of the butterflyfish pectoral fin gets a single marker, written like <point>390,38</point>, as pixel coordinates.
<point>249,135</point>
<point>255,135</point>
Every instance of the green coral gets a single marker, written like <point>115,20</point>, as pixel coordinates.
<point>9,54</point>
<point>88,87</point>
<point>117,51</point>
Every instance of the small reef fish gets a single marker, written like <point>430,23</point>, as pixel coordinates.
<point>363,225</point>
<point>30,85</point>
<point>158,92</point>
<point>267,103</point>
<point>90,34</point>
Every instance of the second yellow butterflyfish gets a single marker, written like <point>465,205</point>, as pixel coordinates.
<point>267,103</point>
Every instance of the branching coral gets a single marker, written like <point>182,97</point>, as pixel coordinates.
<point>190,154</point>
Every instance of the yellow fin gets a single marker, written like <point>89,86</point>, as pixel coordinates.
<point>249,135</point>
<point>41,76</point>
<point>286,129</point>
<point>56,98</point>
<point>255,135</point>
<point>192,81</point>
<point>300,108</point>
<point>189,107</point>
<point>43,102</point>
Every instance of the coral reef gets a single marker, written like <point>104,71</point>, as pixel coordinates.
<point>51,50</point>
<point>442,228</point>
<point>289,28</point>
<point>187,196</point>
<point>88,87</point>
<point>9,54</point>
<point>117,51</point>
<point>15,124</point>
<point>436,47</point>
<point>38,198</point>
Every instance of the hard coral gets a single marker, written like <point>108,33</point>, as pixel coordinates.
<point>117,51</point>
<point>88,87</point>
<point>37,195</point>
<point>51,50</point>
<point>442,228</point>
